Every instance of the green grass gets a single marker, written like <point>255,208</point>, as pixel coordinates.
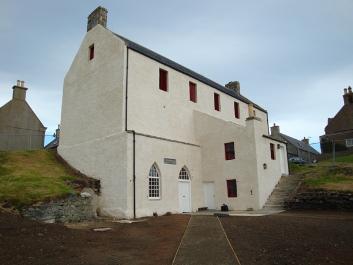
<point>326,175</point>
<point>27,177</point>
<point>345,159</point>
<point>326,179</point>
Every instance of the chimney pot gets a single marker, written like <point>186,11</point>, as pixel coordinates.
<point>348,96</point>
<point>19,91</point>
<point>98,16</point>
<point>234,85</point>
<point>305,141</point>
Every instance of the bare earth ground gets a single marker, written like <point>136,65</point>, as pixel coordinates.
<point>301,237</point>
<point>153,241</point>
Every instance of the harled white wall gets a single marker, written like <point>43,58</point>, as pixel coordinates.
<point>92,138</point>
<point>170,114</point>
<point>150,151</point>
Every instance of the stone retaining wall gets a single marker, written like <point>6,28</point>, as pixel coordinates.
<point>74,208</point>
<point>320,199</point>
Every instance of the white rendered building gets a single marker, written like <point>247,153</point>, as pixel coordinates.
<point>160,137</point>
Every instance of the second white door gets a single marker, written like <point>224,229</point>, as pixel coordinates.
<point>208,192</point>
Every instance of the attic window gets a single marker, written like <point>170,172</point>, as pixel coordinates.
<point>192,92</point>
<point>163,80</point>
<point>91,52</point>
<point>217,105</point>
<point>236,110</point>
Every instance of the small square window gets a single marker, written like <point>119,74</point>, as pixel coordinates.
<point>91,52</point>
<point>193,92</point>
<point>349,142</point>
<point>232,188</point>
<point>273,151</point>
<point>217,104</point>
<point>163,80</point>
<point>236,110</point>
<point>229,151</point>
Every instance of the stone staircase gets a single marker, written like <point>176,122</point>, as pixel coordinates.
<point>285,188</point>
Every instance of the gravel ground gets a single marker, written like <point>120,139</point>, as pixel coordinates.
<point>296,237</point>
<point>153,241</point>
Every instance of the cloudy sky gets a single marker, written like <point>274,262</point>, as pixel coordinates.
<point>291,57</point>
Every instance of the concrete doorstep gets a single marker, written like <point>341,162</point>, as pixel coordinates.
<point>205,242</point>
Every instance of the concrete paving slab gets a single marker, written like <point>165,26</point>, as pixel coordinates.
<point>261,212</point>
<point>205,242</point>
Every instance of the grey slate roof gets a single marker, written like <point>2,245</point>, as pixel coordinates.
<point>163,60</point>
<point>299,144</point>
<point>53,144</point>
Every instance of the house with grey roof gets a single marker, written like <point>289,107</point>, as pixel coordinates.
<point>159,136</point>
<point>20,127</point>
<point>295,147</point>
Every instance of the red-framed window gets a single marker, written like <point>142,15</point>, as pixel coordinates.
<point>229,151</point>
<point>273,151</point>
<point>163,79</point>
<point>217,104</point>
<point>232,188</point>
<point>91,52</point>
<point>236,110</point>
<point>193,92</point>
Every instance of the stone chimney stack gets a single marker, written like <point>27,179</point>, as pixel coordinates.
<point>57,132</point>
<point>234,85</point>
<point>98,16</point>
<point>275,130</point>
<point>19,90</point>
<point>348,96</point>
<point>305,141</point>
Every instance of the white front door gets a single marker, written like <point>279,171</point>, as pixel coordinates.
<point>208,192</point>
<point>184,197</point>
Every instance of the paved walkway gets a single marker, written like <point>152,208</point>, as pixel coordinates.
<point>204,242</point>
<point>261,212</point>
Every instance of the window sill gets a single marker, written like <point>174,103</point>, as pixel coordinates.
<point>154,198</point>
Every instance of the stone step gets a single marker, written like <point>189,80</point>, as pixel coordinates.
<point>277,207</point>
<point>283,190</point>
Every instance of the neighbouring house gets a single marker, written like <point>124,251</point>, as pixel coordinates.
<point>55,142</point>
<point>295,147</point>
<point>339,129</point>
<point>159,136</point>
<point>20,128</point>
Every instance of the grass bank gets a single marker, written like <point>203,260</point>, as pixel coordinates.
<point>27,177</point>
<point>327,175</point>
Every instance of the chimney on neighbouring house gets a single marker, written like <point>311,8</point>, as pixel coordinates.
<point>234,85</point>
<point>305,141</point>
<point>57,132</point>
<point>348,96</point>
<point>98,16</point>
<point>275,130</point>
<point>19,90</point>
